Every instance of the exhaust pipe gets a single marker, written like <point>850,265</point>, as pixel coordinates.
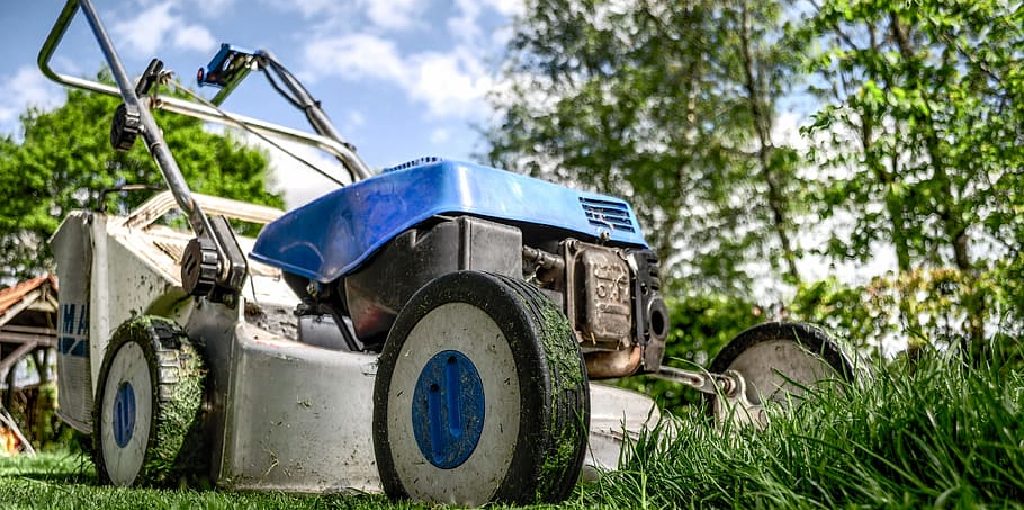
<point>612,364</point>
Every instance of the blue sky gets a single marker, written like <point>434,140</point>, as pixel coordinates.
<point>400,78</point>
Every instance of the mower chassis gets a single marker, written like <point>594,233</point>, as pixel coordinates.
<point>285,415</point>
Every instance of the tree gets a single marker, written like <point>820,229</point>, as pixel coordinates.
<point>918,87</point>
<point>766,69</point>
<point>922,121</point>
<point>669,104</point>
<point>64,162</point>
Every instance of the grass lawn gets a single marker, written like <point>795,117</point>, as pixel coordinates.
<point>932,434</point>
<point>65,481</point>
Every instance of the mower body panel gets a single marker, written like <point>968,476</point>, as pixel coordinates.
<point>117,267</point>
<point>333,235</point>
<point>284,415</point>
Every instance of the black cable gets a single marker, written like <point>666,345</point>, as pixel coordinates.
<point>261,136</point>
<point>281,70</point>
<point>280,91</point>
<point>302,100</point>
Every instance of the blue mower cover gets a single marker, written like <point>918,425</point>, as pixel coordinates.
<point>333,235</point>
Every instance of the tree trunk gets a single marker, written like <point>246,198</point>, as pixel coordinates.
<point>949,210</point>
<point>762,126</point>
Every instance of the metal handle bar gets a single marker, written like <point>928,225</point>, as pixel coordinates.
<point>125,90</point>
<point>190,108</point>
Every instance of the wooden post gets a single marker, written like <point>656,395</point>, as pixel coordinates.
<point>9,395</point>
<point>41,357</point>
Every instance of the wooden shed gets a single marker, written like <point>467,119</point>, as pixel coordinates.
<point>28,319</point>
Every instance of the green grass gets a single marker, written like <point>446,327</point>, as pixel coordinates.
<point>64,481</point>
<point>934,434</point>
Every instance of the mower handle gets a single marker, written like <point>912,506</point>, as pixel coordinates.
<point>126,91</point>
<point>184,107</point>
<point>215,257</point>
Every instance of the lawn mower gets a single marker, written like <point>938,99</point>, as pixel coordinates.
<point>431,329</point>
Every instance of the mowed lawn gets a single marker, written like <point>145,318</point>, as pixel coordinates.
<point>930,434</point>
<point>66,481</point>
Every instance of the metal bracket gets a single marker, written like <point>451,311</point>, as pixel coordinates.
<point>704,382</point>
<point>728,394</point>
<point>226,70</point>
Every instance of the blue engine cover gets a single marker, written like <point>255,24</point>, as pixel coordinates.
<point>331,236</point>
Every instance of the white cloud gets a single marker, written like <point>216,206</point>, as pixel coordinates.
<point>214,7</point>
<point>507,7</point>
<point>146,32</point>
<point>354,120</point>
<point>465,27</point>
<point>440,135</point>
<point>26,87</point>
<point>312,8</point>
<point>355,56</point>
<point>394,14</point>
<point>450,84</point>
<point>194,37</point>
<point>387,15</point>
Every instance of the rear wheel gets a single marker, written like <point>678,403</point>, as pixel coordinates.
<point>780,360</point>
<point>481,395</point>
<point>146,419</point>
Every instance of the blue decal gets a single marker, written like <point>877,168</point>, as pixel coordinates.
<point>68,316</point>
<point>124,414</point>
<point>448,409</point>
<point>83,320</point>
<point>74,330</point>
<point>69,346</point>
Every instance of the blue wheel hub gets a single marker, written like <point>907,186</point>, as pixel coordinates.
<point>448,409</point>
<point>124,414</point>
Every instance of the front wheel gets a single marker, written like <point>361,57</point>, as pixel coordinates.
<point>481,395</point>
<point>146,420</point>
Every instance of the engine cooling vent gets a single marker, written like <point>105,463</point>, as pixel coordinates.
<point>414,163</point>
<point>608,214</point>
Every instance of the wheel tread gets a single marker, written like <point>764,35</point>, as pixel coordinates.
<point>174,448</point>
<point>554,391</point>
<point>566,427</point>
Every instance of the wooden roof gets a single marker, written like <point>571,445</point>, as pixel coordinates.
<point>16,298</point>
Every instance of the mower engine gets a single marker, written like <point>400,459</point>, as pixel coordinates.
<point>606,285</point>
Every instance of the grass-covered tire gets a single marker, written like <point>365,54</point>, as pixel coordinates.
<point>503,357</point>
<point>780,360</point>
<point>147,413</point>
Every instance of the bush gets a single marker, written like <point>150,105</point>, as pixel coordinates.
<point>937,307</point>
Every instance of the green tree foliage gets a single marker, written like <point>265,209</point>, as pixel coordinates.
<point>916,145</point>
<point>65,161</point>
<point>871,317</point>
<point>922,124</point>
<point>919,116</point>
<point>669,104</point>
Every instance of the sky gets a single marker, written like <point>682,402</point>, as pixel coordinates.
<point>401,79</point>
